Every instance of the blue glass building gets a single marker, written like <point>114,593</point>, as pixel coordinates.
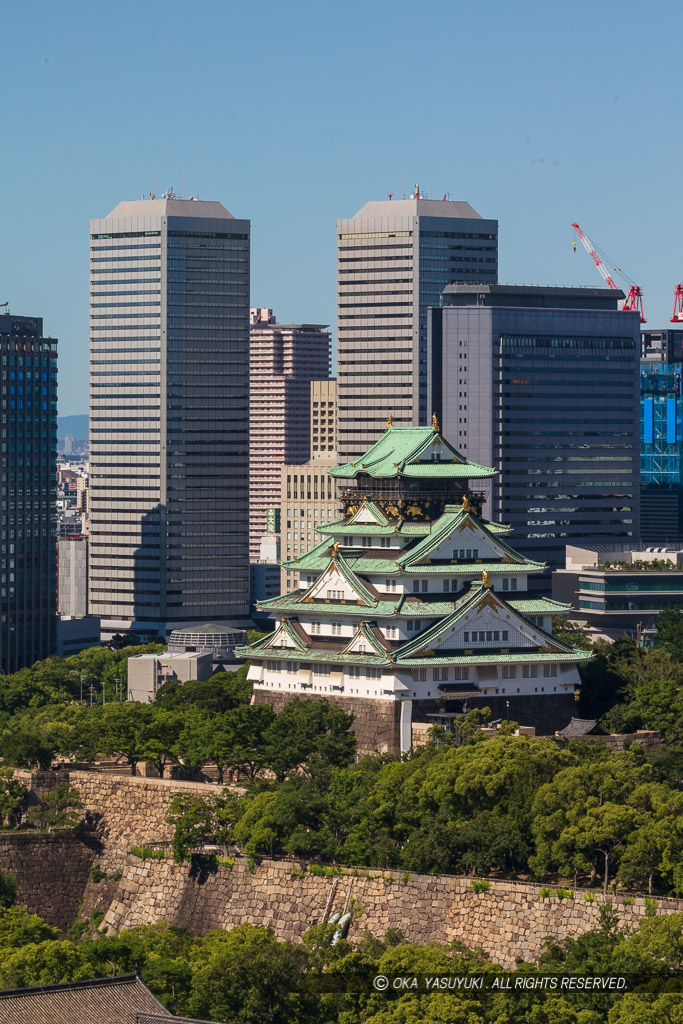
<point>661,417</point>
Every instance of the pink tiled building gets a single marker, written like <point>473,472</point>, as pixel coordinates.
<point>284,359</point>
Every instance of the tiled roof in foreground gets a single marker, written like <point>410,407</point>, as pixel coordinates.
<point>121,1000</point>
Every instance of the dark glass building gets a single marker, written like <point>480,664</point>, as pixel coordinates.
<point>542,383</point>
<point>28,588</point>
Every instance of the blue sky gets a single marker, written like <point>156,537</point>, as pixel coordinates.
<point>294,114</point>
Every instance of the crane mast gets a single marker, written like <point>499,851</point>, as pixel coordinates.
<point>634,300</point>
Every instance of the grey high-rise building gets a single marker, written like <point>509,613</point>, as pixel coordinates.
<point>169,431</point>
<point>394,258</point>
<point>542,383</point>
<point>28,414</point>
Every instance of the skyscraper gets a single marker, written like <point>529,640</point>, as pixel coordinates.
<point>284,359</point>
<point>394,259</point>
<point>169,379</point>
<point>28,411</point>
<point>542,383</point>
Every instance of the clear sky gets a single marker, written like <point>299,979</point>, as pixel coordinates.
<point>295,113</point>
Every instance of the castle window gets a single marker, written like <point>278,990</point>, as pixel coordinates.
<point>446,586</point>
<point>505,634</point>
<point>460,673</point>
<point>420,675</point>
<point>550,670</point>
<point>425,586</point>
<point>530,671</point>
<point>416,586</point>
<point>466,637</point>
<point>390,584</point>
<point>392,632</point>
<point>336,628</point>
<point>373,673</point>
<point>509,671</point>
<point>439,674</point>
<point>315,627</point>
<point>321,670</point>
<point>354,671</point>
<point>292,667</point>
<point>335,595</point>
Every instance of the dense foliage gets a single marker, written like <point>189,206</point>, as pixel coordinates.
<point>246,976</point>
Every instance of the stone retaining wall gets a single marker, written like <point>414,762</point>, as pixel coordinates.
<point>509,921</point>
<point>51,872</point>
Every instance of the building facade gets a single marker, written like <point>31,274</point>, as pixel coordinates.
<point>309,492</point>
<point>620,591</point>
<point>28,414</point>
<point>542,383</point>
<point>393,260</point>
<point>413,606</point>
<point>284,359</point>
<point>169,436</point>
<point>72,593</point>
<point>661,466</point>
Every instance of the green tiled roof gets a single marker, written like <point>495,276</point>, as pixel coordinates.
<point>354,581</point>
<point>398,452</point>
<point>329,657</point>
<point>374,511</point>
<point>318,558</point>
<point>398,606</point>
<point>537,605</point>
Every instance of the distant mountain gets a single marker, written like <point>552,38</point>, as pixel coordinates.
<point>76,425</point>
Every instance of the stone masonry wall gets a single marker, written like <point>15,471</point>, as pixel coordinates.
<point>509,921</point>
<point>124,811</point>
<point>376,723</point>
<point>51,872</point>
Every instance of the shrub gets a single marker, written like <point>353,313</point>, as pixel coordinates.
<point>147,853</point>
<point>406,877</point>
<point>226,862</point>
<point>97,874</point>
<point>251,864</point>
<point>628,901</point>
<point>589,897</point>
<point>564,894</point>
<point>480,885</point>
<point>650,908</point>
<point>323,870</point>
<point>545,893</point>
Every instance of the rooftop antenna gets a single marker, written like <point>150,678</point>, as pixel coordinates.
<point>4,305</point>
<point>155,186</point>
<point>184,188</point>
<point>390,194</point>
<point>404,187</point>
<point>431,188</point>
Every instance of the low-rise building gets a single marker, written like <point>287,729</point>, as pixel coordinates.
<point>619,591</point>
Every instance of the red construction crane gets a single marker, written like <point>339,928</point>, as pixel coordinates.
<point>634,300</point>
<point>678,304</point>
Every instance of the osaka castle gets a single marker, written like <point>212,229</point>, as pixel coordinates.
<point>413,608</point>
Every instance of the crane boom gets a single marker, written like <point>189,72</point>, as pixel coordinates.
<point>593,253</point>
<point>634,300</point>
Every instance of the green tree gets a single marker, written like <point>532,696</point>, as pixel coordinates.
<point>43,963</point>
<point>12,797</point>
<point>200,820</point>
<point>669,632</point>
<point>245,976</point>
<point>8,889</point>
<point>26,745</point>
<point>159,734</point>
<point>57,809</point>
<point>124,729</point>
<point>311,735</point>
<point>19,928</point>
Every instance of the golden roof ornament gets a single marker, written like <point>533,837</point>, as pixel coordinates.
<point>335,549</point>
<point>435,423</point>
<point>485,580</point>
<point>466,504</point>
<point>390,421</point>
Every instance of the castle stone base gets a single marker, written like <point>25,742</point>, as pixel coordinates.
<point>377,722</point>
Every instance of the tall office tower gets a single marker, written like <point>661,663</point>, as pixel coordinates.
<point>28,414</point>
<point>661,465</point>
<point>309,493</point>
<point>394,258</point>
<point>169,436</point>
<point>542,383</point>
<point>284,359</point>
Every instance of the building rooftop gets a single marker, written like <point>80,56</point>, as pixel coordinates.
<point>531,295</point>
<point>417,208</point>
<point>169,208</point>
<point>409,451</point>
<point>121,1000</point>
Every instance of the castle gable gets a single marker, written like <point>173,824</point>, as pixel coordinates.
<point>338,583</point>
<point>369,514</point>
